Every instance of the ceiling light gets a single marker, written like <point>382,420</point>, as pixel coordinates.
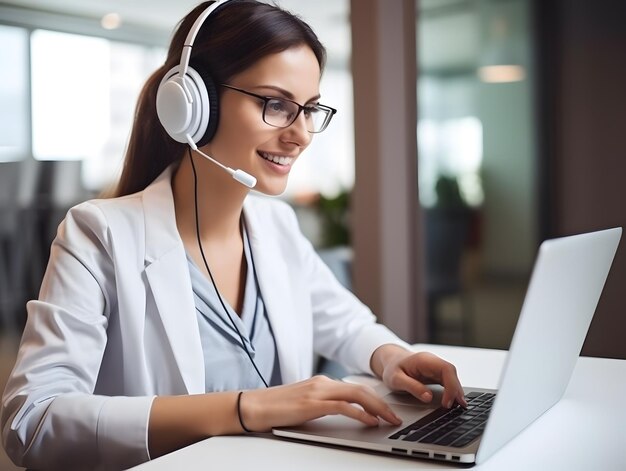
<point>502,56</point>
<point>501,73</point>
<point>111,21</point>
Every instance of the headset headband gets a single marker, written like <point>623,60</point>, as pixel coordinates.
<point>187,101</point>
<point>191,37</point>
<point>193,32</point>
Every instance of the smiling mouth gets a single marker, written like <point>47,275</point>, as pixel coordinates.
<point>277,159</point>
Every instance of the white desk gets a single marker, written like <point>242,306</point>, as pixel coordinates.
<point>586,430</point>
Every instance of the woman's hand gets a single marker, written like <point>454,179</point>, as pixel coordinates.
<point>402,370</point>
<point>293,404</point>
<point>177,421</point>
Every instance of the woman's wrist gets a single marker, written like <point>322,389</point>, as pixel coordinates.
<point>384,355</point>
<point>239,414</point>
<point>249,414</point>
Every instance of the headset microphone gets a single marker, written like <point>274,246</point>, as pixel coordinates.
<point>242,177</point>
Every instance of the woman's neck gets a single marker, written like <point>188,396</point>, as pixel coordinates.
<point>219,199</point>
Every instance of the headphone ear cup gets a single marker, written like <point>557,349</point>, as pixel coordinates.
<point>183,105</point>
<point>213,109</point>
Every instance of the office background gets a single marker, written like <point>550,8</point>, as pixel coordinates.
<point>428,195</point>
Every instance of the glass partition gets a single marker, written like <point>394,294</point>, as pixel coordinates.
<point>476,151</point>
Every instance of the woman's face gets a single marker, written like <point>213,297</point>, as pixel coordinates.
<point>243,140</point>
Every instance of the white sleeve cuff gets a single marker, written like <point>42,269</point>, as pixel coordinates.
<point>123,430</point>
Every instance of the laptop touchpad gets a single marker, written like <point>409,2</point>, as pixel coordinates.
<point>407,399</point>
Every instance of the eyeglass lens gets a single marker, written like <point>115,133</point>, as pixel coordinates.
<point>282,113</point>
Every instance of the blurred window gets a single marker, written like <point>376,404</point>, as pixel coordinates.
<point>14,125</point>
<point>452,148</point>
<point>83,96</point>
<point>327,166</point>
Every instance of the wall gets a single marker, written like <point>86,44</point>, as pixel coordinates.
<point>582,116</point>
<point>385,235</point>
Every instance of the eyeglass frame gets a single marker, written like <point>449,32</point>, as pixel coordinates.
<point>266,99</point>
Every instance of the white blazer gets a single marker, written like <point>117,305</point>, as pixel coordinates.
<point>115,325</point>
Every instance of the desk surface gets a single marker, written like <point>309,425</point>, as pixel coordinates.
<point>586,430</point>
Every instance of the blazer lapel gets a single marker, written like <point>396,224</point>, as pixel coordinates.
<point>168,275</point>
<point>272,273</point>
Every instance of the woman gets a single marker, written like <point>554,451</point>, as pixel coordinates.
<point>161,306</point>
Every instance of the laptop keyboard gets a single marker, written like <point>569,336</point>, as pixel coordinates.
<point>456,427</point>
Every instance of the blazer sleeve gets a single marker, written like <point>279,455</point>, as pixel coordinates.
<point>50,416</point>
<point>344,329</point>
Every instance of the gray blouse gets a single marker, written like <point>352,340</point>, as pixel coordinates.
<point>227,366</point>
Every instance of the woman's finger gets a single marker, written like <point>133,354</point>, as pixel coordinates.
<point>349,410</point>
<point>453,391</point>
<point>404,382</point>
<point>367,398</point>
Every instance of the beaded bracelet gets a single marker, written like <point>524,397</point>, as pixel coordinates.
<point>245,429</point>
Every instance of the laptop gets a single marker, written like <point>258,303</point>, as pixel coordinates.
<point>564,289</point>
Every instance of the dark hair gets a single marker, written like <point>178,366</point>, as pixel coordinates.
<point>231,40</point>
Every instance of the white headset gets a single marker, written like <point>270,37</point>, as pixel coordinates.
<point>186,102</point>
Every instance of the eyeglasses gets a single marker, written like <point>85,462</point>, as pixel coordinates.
<point>281,113</point>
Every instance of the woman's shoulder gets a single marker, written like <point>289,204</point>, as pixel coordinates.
<point>156,194</point>
<point>105,218</point>
<point>103,207</point>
